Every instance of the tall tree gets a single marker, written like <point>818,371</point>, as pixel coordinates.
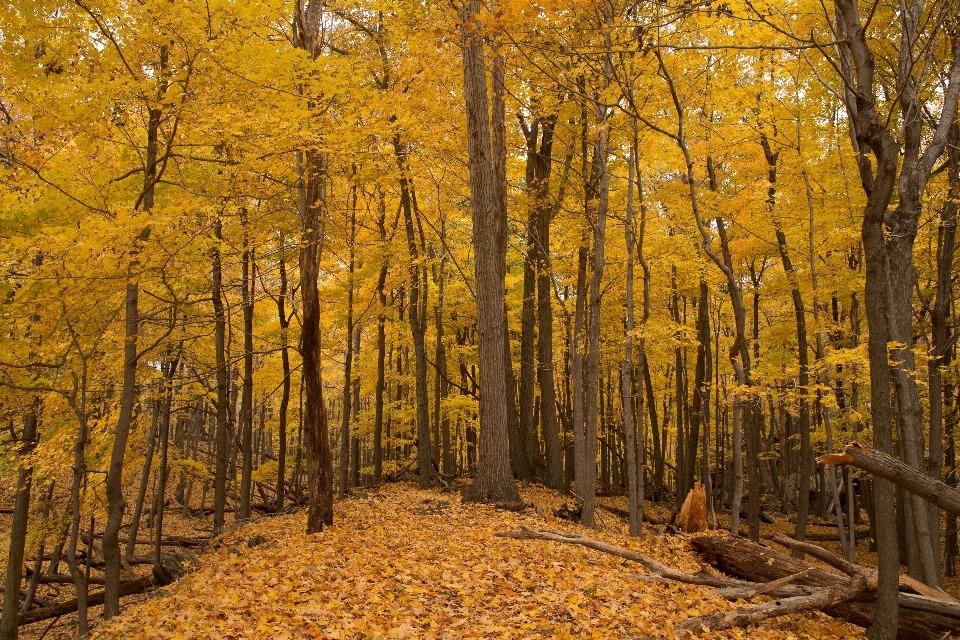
<point>493,480</point>
<point>312,201</point>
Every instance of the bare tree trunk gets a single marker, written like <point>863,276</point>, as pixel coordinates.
<point>946,244</point>
<point>220,333</point>
<point>144,481</point>
<point>311,204</point>
<point>803,487</point>
<point>626,388</point>
<point>316,434</point>
<point>441,422</point>
<point>18,530</point>
<point>493,480</point>
<point>114,485</point>
<point>354,411</point>
<point>591,369</point>
<point>890,266</point>
<point>246,397</point>
<point>348,363</point>
<point>285,393</point>
<point>417,320</point>
<point>164,437</point>
<point>703,390</point>
<point>114,482</point>
<point>553,447</point>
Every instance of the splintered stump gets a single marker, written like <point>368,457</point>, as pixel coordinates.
<point>921,618</point>
<point>693,513</point>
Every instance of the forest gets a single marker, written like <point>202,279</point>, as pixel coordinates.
<point>271,261</point>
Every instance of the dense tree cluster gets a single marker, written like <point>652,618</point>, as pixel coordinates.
<point>258,254</point>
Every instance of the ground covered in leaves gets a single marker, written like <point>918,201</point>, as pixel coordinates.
<point>404,563</point>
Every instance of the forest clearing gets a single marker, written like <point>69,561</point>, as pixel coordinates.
<point>403,563</point>
<point>667,281</point>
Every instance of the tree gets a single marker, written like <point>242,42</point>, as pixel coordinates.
<point>493,480</point>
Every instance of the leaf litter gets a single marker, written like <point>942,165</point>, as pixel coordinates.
<point>404,563</point>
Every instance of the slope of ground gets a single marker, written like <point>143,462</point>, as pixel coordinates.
<point>403,563</point>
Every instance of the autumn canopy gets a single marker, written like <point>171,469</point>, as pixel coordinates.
<point>259,257</point>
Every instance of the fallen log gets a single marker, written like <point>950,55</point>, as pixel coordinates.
<point>99,562</point>
<point>903,475</point>
<point>743,616</point>
<point>63,578</point>
<point>821,598</point>
<point>906,582</point>
<point>926,619</point>
<point>127,588</point>
<point>172,541</point>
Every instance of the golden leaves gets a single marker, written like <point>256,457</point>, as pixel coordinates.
<point>385,572</point>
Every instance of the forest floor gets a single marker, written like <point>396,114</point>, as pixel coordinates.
<point>404,563</point>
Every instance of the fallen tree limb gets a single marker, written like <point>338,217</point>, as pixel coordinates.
<point>172,541</point>
<point>796,585</point>
<point>906,582</point>
<point>130,587</point>
<point>773,585</point>
<point>903,475</point>
<point>62,578</point>
<point>703,577</point>
<point>743,616</point>
<point>921,618</point>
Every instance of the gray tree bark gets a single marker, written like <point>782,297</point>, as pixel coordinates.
<point>493,480</point>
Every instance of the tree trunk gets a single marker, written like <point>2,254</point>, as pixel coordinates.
<point>144,480</point>
<point>493,480</point>
<point>417,324</point>
<point>246,397</point>
<point>164,438</point>
<point>531,260</point>
<point>803,488</point>
<point>319,459</point>
<point>220,333</point>
<point>441,422</point>
<point>18,529</point>
<point>311,200</point>
<point>285,393</point>
<point>946,243</point>
<point>114,484</point>
<point>348,366</point>
<point>381,352</point>
<point>554,477</point>
<point>703,392</point>
<point>891,279</point>
<point>634,499</point>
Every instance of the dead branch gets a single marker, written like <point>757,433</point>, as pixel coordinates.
<point>703,577</point>
<point>130,587</point>
<point>744,616</point>
<point>904,476</point>
<point>906,582</point>
<point>922,618</point>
